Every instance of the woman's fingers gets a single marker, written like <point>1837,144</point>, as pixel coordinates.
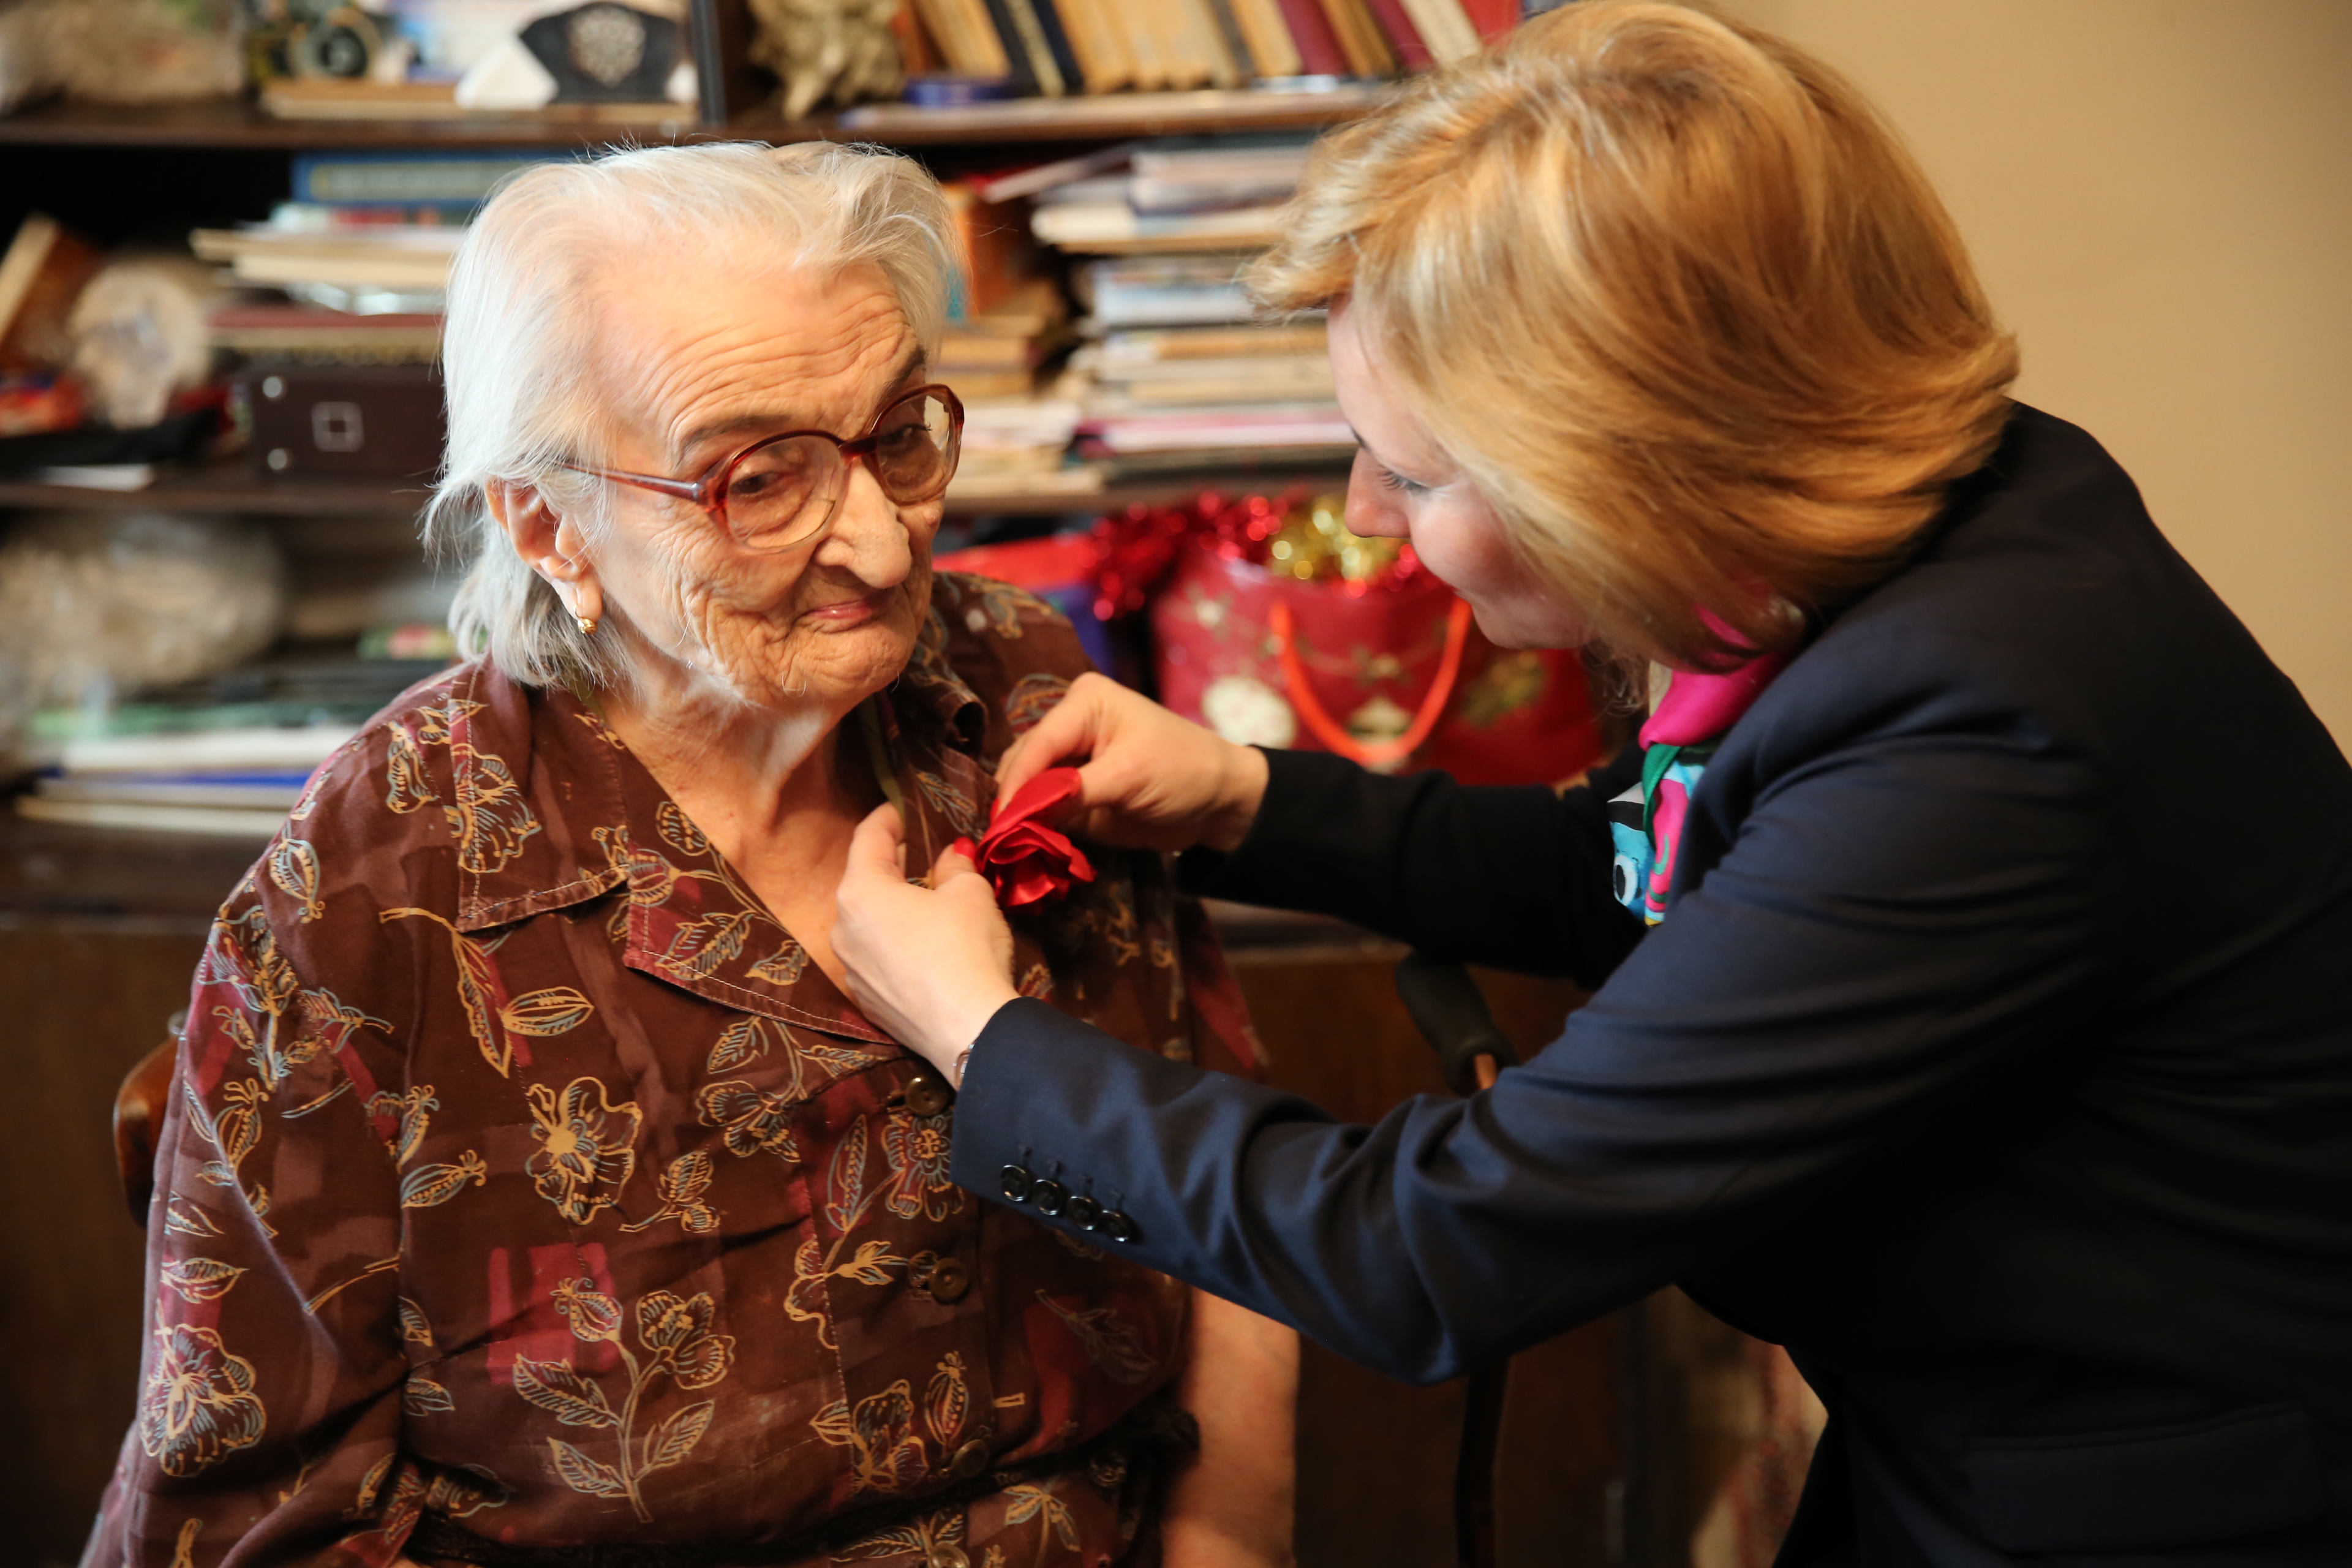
<point>1074,727</point>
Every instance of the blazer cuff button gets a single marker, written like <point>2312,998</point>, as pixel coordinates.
<point>1050,1197</point>
<point>1117,1226</point>
<point>1017,1183</point>
<point>1084,1212</point>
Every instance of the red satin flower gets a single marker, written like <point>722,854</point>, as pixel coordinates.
<point>1024,860</point>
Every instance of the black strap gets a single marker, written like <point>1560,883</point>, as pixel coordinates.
<point>1151,1425</point>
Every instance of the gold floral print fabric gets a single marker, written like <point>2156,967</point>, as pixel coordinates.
<point>521,1172</point>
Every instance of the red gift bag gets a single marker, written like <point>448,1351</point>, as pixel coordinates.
<point>1397,677</point>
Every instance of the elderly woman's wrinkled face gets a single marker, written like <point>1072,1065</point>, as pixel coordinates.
<point>700,363</point>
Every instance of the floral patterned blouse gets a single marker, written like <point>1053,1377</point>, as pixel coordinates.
<point>525,1186</point>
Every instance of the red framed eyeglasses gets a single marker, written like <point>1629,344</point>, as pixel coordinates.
<point>781,490</point>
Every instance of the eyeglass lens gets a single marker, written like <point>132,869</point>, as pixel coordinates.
<point>779,494</point>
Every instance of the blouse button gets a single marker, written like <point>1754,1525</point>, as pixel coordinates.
<point>1017,1183</point>
<point>1050,1197</point>
<point>946,1554</point>
<point>926,1094</point>
<point>1084,1212</point>
<point>948,1281</point>
<point>969,1459</point>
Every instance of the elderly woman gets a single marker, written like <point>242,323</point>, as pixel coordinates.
<point>534,1187</point>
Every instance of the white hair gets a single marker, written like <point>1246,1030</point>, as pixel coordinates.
<point>516,346</point>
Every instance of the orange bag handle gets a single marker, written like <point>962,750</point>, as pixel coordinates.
<point>1311,709</point>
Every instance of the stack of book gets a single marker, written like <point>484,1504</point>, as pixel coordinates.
<point>1182,193</point>
<point>1018,447</point>
<point>227,756</point>
<point>1056,49</point>
<point>1178,377</point>
<point>365,233</point>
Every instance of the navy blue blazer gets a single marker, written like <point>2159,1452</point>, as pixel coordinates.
<point>1995,1057</point>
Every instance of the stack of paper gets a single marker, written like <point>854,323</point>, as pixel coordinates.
<point>1183,193</point>
<point>1178,376</point>
<point>368,269</point>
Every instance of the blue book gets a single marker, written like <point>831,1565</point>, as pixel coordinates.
<point>455,181</point>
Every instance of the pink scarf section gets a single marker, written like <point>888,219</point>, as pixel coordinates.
<point>1698,707</point>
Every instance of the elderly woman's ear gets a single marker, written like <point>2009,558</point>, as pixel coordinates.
<point>549,543</point>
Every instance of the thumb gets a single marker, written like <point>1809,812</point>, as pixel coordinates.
<point>878,847</point>
<point>958,859</point>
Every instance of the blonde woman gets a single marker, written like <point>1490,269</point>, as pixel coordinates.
<point>1952,1027</point>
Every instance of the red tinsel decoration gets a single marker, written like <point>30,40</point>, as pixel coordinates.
<point>1137,548</point>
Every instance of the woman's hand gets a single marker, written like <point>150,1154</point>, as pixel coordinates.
<point>931,965</point>
<point>1153,780</point>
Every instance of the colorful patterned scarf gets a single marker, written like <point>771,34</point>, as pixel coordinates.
<point>1686,725</point>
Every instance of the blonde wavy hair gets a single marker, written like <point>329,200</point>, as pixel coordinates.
<point>1676,301</point>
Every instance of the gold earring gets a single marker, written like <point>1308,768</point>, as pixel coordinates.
<point>587,625</point>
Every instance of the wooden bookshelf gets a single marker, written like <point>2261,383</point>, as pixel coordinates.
<point>238,123</point>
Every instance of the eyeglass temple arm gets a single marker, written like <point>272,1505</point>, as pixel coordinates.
<point>694,491</point>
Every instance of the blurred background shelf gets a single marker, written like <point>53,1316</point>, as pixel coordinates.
<point>225,488</point>
<point>237,123</point>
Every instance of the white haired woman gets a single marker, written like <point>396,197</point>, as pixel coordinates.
<point>534,1187</point>
<point>1921,1043</point>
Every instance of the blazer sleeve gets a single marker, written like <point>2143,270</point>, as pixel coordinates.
<point>1900,935</point>
<point>1511,878</point>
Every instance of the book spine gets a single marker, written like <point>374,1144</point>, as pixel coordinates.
<point>1494,19</point>
<point>1367,53</point>
<point>1043,69</point>
<point>1059,40</point>
<point>1269,40</point>
<point>988,54</point>
<point>1445,28</point>
<point>1103,53</point>
<point>1318,50</point>
<point>1403,35</point>
<point>919,51</point>
<point>1016,55</point>
<point>1236,43</point>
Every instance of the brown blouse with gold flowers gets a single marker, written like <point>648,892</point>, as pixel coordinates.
<point>525,1186</point>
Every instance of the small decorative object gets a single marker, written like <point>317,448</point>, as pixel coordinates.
<point>93,607</point>
<point>345,43</point>
<point>607,53</point>
<point>828,52</point>
<point>603,52</point>
<point>139,336</point>
<point>1022,858</point>
<point>120,51</point>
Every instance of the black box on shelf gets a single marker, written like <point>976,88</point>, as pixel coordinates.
<point>330,423</point>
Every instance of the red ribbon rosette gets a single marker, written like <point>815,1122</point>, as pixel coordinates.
<point>1024,860</point>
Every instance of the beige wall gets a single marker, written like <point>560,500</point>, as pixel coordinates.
<point>2158,194</point>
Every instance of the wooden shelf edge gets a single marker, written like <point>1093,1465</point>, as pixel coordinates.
<point>237,123</point>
